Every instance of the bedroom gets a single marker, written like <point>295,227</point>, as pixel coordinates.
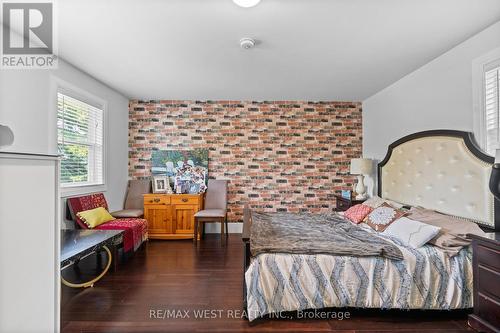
<point>212,131</point>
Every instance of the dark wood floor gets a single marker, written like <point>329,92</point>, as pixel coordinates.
<point>176,275</point>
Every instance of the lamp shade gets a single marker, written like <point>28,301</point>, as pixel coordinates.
<point>361,166</point>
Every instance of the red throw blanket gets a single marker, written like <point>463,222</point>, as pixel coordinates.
<point>135,229</point>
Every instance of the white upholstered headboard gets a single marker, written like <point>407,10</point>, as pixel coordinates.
<point>443,170</point>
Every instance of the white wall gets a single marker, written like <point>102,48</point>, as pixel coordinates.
<point>436,96</point>
<point>28,107</point>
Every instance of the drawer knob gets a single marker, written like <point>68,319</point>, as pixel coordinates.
<point>156,199</point>
<point>184,200</point>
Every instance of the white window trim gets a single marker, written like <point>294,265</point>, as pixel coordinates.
<point>84,96</point>
<point>479,65</point>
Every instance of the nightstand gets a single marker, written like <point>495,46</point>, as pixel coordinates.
<point>344,204</point>
<point>486,270</point>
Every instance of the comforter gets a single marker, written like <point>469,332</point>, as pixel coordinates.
<point>315,234</point>
<point>426,278</point>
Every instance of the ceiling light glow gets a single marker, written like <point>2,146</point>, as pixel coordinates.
<point>246,3</point>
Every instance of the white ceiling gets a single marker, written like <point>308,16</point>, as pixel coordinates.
<point>308,49</point>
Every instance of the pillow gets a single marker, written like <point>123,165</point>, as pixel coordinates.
<point>376,201</point>
<point>453,235</point>
<point>357,213</point>
<point>382,216</point>
<point>95,217</point>
<point>411,232</point>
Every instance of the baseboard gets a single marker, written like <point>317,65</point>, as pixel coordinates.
<point>233,228</point>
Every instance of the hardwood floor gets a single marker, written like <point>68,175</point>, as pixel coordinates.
<point>176,275</point>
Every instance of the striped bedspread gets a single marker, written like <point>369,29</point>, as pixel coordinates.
<point>425,279</point>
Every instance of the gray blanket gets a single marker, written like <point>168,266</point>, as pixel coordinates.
<point>315,234</point>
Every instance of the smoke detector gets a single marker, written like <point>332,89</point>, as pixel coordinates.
<point>247,43</point>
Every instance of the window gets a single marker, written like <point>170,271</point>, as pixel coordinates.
<point>491,91</point>
<point>80,141</point>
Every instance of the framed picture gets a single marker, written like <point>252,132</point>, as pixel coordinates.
<point>161,184</point>
<point>346,194</point>
<point>188,169</point>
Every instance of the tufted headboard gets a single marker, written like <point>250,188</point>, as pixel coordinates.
<point>443,170</point>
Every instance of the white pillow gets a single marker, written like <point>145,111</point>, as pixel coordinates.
<point>411,232</point>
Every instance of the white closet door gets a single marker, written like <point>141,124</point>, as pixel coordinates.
<point>29,244</point>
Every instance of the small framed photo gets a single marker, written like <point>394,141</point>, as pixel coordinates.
<point>160,184</point>
<point>347,194</point>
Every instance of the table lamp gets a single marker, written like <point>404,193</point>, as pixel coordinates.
<point>495,176</point>
<point>361,167</point>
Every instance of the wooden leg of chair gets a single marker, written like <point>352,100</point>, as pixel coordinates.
<point>227,227</point>
<point>222,233</point>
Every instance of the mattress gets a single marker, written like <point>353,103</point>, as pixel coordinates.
<point>425,279</point>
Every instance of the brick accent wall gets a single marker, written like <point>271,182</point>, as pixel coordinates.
<point>279,156</point>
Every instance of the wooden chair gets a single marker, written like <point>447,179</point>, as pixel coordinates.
<point>215,208</point>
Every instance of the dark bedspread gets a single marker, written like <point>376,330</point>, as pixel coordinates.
<point>315,234</point>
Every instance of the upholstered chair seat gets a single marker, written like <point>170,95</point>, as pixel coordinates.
<point>211,213</point>
<point>128,213</point>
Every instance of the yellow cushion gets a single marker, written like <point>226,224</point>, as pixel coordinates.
<point>95,217</point>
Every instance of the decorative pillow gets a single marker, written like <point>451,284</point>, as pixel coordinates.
<point>95,217</point>
<point>357,213</point>
<point>381,217</point>
<point>411,232</point>
<point>376,201</point>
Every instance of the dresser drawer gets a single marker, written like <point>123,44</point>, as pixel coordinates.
<point>487,256</point>
<point>487,309</point>
<point>488,282</point>
<point>156,200</point>
<point>185,200</point>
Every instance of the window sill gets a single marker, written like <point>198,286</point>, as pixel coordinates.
<point>83,189</point>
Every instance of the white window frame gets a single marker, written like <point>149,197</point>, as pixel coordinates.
<point>479,67</point>
<point>86,97</point>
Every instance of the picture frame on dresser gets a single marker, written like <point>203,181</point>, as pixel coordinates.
<point>161,184</point>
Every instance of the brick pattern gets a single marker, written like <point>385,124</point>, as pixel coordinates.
<point>279,156</point>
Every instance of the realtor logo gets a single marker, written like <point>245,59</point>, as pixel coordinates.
<point>28,35</point>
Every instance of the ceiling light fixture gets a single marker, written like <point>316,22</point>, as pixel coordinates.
<point>246,3</point>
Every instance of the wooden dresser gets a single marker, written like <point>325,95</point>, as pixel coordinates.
<point>171,216</point>
<point>486,268</point>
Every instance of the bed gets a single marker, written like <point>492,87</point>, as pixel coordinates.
<point>442,170</point>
